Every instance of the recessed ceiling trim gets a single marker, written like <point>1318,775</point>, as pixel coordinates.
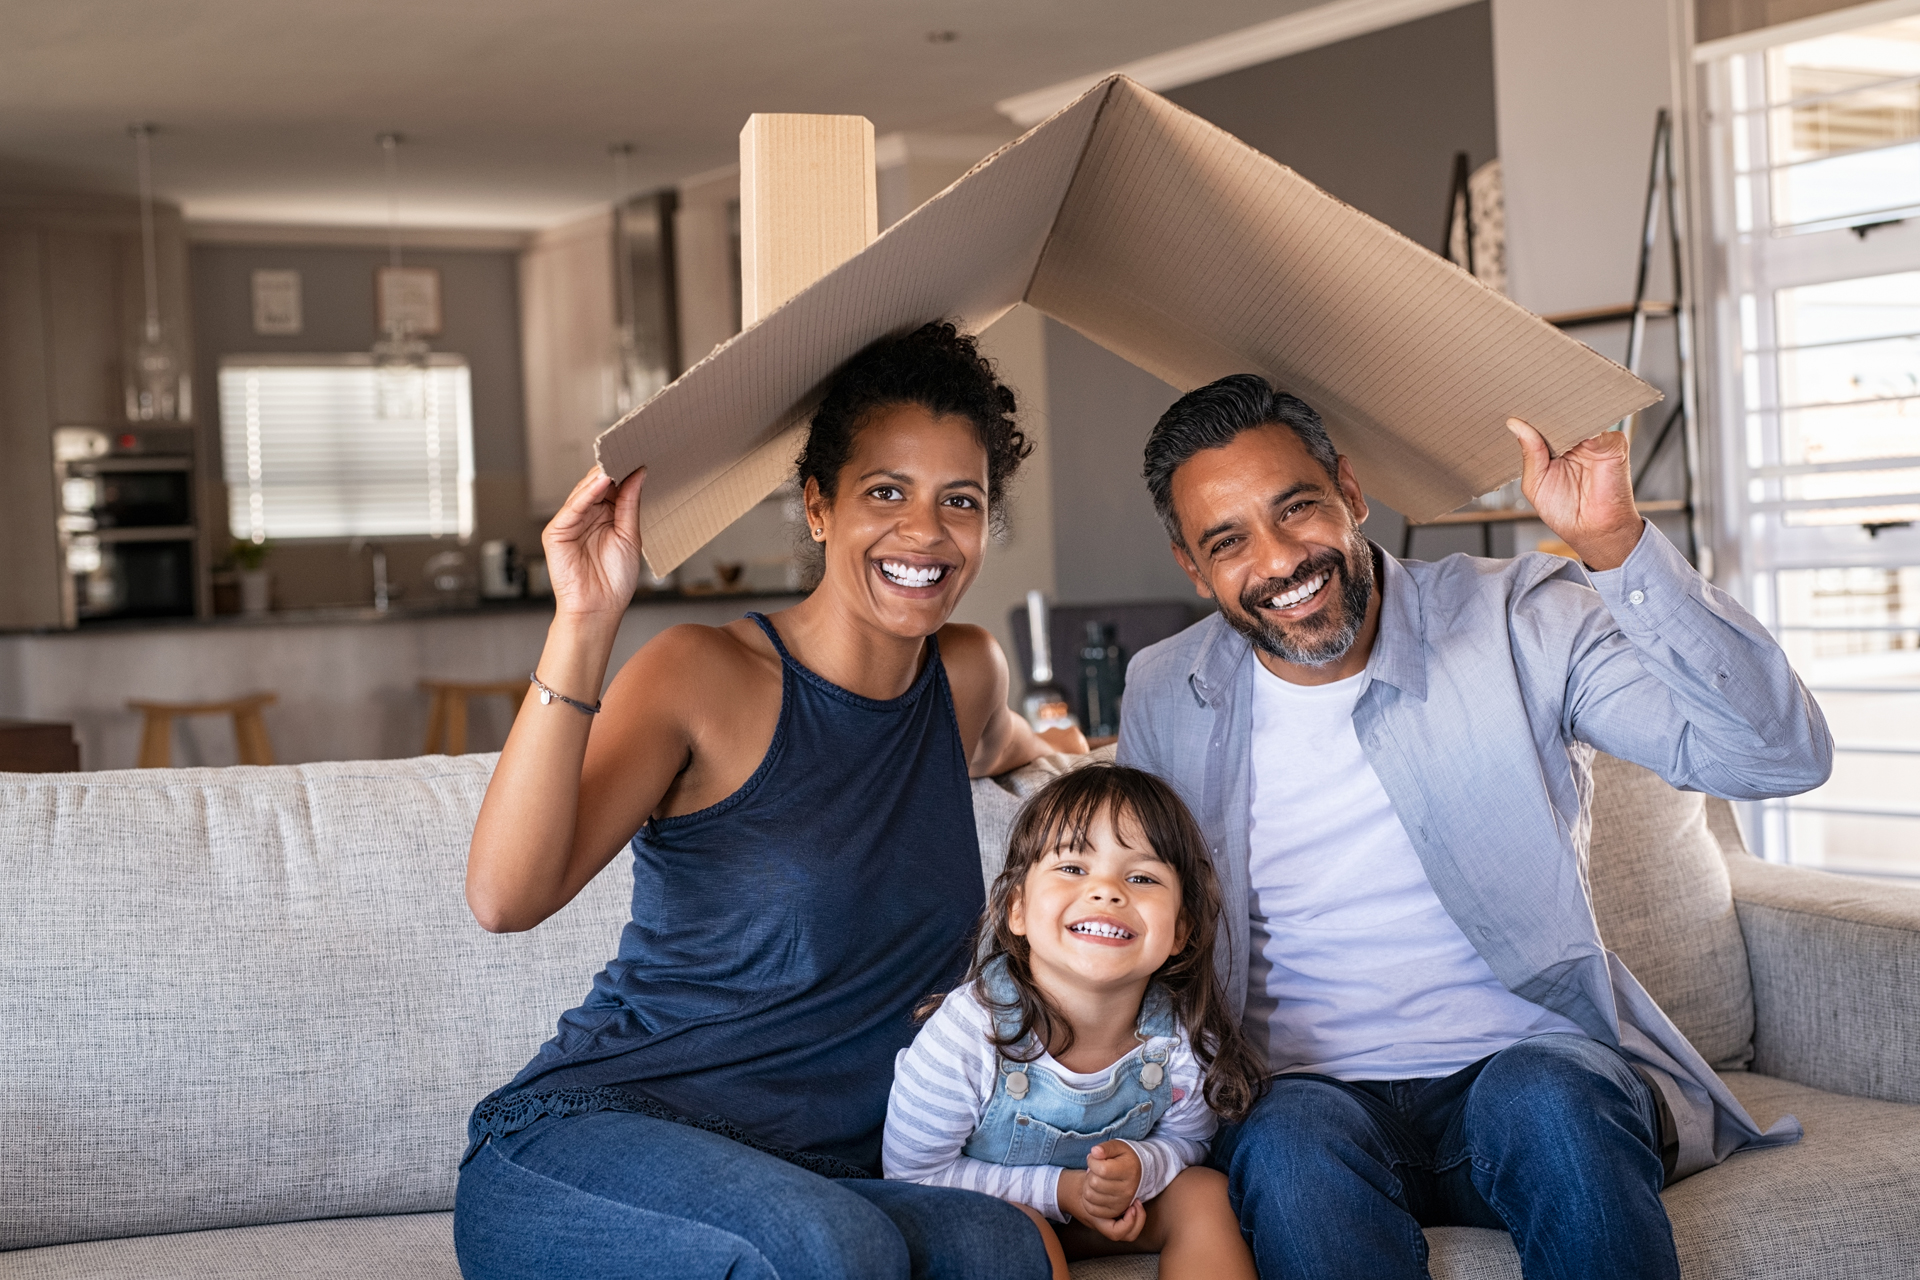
<point>289,233</point>
<point>1322,25</point>
<point>892,149</point>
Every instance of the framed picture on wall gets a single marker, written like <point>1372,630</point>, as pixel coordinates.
<point>408,299</point>
<point>276,302</point>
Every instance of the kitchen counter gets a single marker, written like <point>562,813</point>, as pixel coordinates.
<point>347,614</point>
<point>347,679</point>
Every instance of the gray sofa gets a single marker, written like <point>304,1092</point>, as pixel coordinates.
<point>247,1013</point>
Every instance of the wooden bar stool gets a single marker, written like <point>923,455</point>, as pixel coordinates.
<point>249,730</point>
<point>447,712</point>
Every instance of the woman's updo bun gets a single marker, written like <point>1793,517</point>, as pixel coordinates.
<point>936,367</point>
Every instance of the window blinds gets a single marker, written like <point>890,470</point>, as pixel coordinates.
<point>305,455</point>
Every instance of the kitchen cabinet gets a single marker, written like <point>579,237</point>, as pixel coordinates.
<point>29,546</point>
<point>72,305</point>
<point>686,262</point>
<point>567,345</point>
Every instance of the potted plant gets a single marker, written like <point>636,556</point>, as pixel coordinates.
<point>256,581</point>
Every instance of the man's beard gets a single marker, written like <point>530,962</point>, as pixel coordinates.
<point>1324,637</point>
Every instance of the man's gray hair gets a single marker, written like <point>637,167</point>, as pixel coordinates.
<point>1212,416</point>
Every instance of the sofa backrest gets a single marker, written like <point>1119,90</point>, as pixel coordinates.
<point>236,996</point>
<point>1657,875</point>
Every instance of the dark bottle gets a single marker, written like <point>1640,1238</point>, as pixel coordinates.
<point>1102,680</point>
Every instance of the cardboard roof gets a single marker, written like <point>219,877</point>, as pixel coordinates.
<point>1180,248</point>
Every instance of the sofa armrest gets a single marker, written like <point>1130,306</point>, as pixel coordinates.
<point>1836,978</point>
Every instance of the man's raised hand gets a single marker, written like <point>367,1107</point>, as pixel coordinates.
<point>1585,495</point>
<point>593,545</point>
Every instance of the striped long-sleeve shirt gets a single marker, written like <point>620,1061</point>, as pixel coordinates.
<point>943,1081</point>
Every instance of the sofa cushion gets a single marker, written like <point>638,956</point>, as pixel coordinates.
<point>247,995</point>
<point>1660,892</point>
<point>414,1246</point>
<point>994,809</point>
<point>1837,1205</point>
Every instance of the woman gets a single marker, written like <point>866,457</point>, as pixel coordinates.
<point>805,870</point>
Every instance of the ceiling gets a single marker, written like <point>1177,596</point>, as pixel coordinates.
<point>268,110</point>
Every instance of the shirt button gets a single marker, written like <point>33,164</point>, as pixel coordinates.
<point>1636,597</point>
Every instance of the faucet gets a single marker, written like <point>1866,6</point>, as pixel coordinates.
<point>381,596</point>
<point>382,589</point>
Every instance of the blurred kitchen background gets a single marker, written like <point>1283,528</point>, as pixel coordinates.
<point>309,316</point>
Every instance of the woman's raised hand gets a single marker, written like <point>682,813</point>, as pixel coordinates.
<point>593,545</point>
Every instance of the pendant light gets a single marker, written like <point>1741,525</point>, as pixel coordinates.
<point>156,385</point>
<point>629,377</point>
<point>399,354</point>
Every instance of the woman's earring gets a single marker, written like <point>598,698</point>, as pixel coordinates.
<point>816,531</point>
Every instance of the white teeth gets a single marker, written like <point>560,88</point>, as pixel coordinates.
<point>1305,591</point>
<point>1099,930</point>
<point>909,576</point>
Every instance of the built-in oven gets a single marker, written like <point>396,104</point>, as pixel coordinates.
<point>126,522</point>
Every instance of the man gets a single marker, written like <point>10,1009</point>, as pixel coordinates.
<point>1391,762</point>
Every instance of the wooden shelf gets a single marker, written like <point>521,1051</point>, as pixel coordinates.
<point>1659,506</point>
<point>1605,315</point>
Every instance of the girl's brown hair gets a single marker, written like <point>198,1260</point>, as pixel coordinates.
<point>1058,816</point>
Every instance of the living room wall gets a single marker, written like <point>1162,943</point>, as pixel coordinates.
<point>480,309</point>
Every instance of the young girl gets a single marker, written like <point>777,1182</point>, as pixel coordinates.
<point>1066,1074</point>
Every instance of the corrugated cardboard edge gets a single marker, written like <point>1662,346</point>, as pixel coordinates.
<point>1114,267</point>
<point>672,533</point>
<point>693,515</point>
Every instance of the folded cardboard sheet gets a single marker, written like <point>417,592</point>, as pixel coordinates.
<point>1185,251</point>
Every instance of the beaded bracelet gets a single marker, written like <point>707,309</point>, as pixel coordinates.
<point>548,695</point>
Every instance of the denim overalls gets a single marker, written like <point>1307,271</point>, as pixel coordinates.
<point>1035,1118</point>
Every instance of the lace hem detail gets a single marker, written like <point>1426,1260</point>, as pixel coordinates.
<point>498,1117</point>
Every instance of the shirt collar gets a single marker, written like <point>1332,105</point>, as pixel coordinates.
<point>1399,647</point>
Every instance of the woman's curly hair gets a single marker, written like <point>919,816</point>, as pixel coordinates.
<point>936,367</point>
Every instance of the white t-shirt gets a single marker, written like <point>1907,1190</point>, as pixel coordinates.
<point>943,1081</point>
<point>1357,971</point>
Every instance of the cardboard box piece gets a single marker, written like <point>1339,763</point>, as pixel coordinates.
<point>798,221</point>
<point>1179,248</point>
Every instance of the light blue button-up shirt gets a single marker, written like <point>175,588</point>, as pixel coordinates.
<point>1489,684</point>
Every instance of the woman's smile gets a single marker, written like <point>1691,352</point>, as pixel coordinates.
<point>913,575</point>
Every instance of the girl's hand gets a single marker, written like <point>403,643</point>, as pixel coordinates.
<point>593,545</point>
<point>1103,1196</point>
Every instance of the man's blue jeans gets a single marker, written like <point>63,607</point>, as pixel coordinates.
<point>1554,1139</point>
<point>612,1194</point>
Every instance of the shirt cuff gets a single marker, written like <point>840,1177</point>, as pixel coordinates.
<point>1049,1205</point>
<point>1150,1165</point>
<point>1647,589</point>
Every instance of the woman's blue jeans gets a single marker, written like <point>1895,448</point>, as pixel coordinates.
<point>1555,1140</point>
<point>612,1194</point>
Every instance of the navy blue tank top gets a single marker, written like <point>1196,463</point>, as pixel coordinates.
<point>781,938</point>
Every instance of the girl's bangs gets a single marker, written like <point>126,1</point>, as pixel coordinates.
<point>1069,809</point>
